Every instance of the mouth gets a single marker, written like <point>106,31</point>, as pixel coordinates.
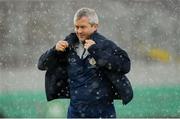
<point>82,37</point>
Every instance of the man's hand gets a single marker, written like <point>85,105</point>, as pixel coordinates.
<point>61,45</point>
<point>88,43</point>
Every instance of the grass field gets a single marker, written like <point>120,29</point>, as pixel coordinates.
<point>148,102</point>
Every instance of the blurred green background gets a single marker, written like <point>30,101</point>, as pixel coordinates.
<point>148,102</point>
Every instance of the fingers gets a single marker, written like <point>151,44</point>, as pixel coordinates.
<point>86,46</point>
<point>88,43</point>
<point>61,45</point>
<point>65,43</point>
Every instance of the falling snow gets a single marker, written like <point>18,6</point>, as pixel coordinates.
<point>149,30</point>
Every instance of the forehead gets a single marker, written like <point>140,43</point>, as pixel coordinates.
<point>83,20</point>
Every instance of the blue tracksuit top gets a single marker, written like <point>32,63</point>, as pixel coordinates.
<point>86,82</point>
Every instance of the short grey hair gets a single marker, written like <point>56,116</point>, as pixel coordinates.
<point>87,12</point>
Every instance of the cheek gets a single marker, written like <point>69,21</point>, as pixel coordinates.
<point>91,30</point>
<point>86,31</point>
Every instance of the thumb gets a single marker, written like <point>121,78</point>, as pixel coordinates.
<point>87,40</point>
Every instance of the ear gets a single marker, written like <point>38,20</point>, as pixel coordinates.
<point>95,26</point>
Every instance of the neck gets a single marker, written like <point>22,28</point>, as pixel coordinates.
<point>82,42</point>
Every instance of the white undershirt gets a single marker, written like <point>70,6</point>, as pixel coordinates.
<point>80,49</point>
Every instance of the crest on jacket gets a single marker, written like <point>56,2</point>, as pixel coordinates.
<point>92,61</point>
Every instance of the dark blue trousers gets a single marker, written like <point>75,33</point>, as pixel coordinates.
<point>91,111</point>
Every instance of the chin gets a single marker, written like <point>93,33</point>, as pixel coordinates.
<point>82,39</point>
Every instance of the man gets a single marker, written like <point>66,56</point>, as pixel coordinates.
<point>88,69</point>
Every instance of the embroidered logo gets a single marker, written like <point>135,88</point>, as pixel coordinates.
<point>92,61</point>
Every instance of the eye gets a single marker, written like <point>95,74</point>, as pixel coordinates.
<point>82,27</point>
<point>76,27</point>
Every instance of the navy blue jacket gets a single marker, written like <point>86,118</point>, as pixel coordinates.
<point>111,60</point>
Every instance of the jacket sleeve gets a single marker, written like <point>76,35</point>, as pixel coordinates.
<point>50,59</point>
<point>112,58</point>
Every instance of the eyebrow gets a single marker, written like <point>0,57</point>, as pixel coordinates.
<point>80,26</point>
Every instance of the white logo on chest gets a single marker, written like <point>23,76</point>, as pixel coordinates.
<point>92,61</point>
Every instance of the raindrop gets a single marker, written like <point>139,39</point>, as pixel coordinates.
<point>75,91</point>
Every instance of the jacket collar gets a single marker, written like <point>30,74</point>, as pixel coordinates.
<point>72,39</point>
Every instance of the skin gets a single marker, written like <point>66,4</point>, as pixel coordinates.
<point>83,30</point>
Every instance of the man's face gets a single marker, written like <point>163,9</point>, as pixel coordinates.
<point>83,28</point>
